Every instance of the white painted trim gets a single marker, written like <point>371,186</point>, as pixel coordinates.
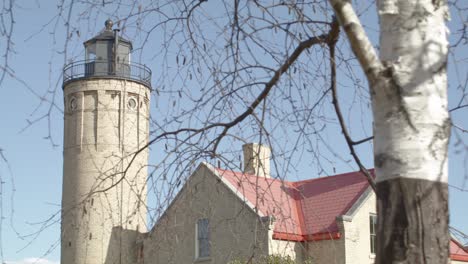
<point>359,202</point>
<point>196,240</point>
<point>205,259</point>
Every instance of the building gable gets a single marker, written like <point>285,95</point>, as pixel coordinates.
<point>335,208</point>
<point>235,230</point>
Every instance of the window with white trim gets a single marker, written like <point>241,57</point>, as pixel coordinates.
<point>202,243</point>
<point>373,231</point>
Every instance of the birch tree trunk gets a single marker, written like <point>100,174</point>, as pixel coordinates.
<point>408,84</point>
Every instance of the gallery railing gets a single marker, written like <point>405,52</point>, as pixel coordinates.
<point>107,69</point>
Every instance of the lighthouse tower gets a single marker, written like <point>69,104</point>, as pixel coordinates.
<point>106,108</point>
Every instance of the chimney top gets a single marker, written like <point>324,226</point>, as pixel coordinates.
<point>257,159</point>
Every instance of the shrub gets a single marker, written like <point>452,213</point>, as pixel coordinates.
<point>273,259</point>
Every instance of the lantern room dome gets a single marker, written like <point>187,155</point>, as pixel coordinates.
<point>108,35</point>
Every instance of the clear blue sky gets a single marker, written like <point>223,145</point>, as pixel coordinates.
<point>35,172</point>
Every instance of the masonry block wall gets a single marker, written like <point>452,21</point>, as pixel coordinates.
<point>236,232</point>
<point>326,251</point>
<point>357,233</point>
<point>293,249</point>
<point>104,183</point>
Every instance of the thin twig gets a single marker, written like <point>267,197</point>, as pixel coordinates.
<point>458,107</point>
<point>331,44</point>
<point>273,81</point>
<point>362,140</point>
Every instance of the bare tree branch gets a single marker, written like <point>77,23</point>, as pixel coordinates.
<point>268,86</point>
<point>333,38</point>
<point>358,39</point>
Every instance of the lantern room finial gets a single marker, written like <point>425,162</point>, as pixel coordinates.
<point>109,24</point>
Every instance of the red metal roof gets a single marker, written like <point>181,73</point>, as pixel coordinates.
<point>457,252</point>
<point>323,199</point>
<point>304,210</point>
<point>269,197</point>
<point>307,210</point>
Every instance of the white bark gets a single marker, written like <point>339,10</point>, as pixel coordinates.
<point>408,86</point>
<point>412,126</point>
<point>358,39</point>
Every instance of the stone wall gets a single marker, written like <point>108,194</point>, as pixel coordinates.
<point>356,233</point>
<point>326,251</point>
<point>293,249</point>
<point>236,232</point>
<point>104,185</point>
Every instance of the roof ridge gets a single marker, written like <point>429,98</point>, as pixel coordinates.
<point>301,199</point>
<point>294,183</point>
<point>253,175</point>
<point>328,177</point>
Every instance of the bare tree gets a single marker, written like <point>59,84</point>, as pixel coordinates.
<point>408,86</point>
<point>278,73</point>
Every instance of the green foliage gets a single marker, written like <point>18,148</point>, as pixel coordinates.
<point>273,259</point>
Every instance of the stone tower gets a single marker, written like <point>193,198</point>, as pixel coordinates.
<point>106,108</point>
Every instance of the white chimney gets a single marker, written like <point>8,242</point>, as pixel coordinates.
<point>257,159</point>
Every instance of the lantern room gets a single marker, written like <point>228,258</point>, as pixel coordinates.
<point>107,53</point>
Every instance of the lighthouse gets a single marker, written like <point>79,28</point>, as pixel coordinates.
<point>106,129</point>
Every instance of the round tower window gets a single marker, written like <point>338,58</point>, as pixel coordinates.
<point>73,103</point>
<point>132,103</point>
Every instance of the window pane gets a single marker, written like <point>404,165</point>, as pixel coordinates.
<point>203,228</point>
<point>204,245</point>
<point>203,236</point>
<point>372,229</point>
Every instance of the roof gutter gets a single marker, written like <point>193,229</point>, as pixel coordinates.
<point>459,257</point>
<point>303,238</point>
<point>324,236</point>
